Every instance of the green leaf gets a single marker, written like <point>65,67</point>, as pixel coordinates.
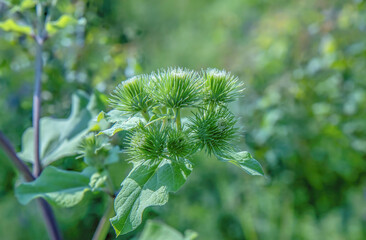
<point>97,180</point>
<point>25,4</point>
<point>11,26</point>
<point>100,116</point>
<point>62,22</point>
<point>122,126</point>
<point>159,231</point>
<point>61,137</point>
<point>115,116</point>
<point>60,187</point>
<point>148,184</point>
<point>245,161</point>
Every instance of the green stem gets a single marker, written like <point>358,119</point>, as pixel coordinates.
<point>146,115</point>
<point>103,225</point>
<point>109,183</point>
<point>164,111</point>
<point>177,119</point>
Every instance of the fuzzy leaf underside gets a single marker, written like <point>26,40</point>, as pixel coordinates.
<point>159,231</point>
<point>60,137</point>
<point>59,187</point>
<point>121,126</point>
<point>148,184</point>
<point>245,161</point>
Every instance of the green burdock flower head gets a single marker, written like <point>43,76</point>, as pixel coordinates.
<point>220,87</point>
<point>94,150</point>
<point>213,129</point>
<point>178,144</point>
<point>131,96</point>
<point>148,142</point>
<point>175,87</point>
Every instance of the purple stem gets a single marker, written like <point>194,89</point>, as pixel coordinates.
<point>46,209</point>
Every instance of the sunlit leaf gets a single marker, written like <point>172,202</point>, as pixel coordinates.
<point>148,184</point>
<point>25,4</point>
<point>62,22</point>
<point>11,26</point>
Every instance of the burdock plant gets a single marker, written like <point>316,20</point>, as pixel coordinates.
<point>162,142</point>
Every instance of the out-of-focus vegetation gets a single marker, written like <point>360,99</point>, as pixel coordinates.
<point>303,111</point>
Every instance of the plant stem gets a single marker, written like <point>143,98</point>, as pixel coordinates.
<point>177,119</point>
<point>46,209</point>
<point>50,221</point>
<point>103,225</point>
<point>37,167</point>
<point>39,39</point>
<point>19,164</point>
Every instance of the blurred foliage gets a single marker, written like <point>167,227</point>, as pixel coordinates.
<point>303,114</point>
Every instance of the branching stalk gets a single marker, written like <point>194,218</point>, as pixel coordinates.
<point>177,119</point>
<point>40,37</point>
<point>46,209</point>
<point>37,168</point>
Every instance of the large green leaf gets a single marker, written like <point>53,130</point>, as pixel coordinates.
<point>159,231</point>
<point>245,161</point>
<point>148,184</point>
<point>60,187</point>
<point>61,137</point>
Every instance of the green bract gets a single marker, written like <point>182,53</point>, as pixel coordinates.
<point>148,143</point>
<point>175,87</point>
<point>161,144</point>
<point>97,152</point>
<point>213,129</point>
<point>179,144</point>
<point>131,96</point>
<point>220,87</point>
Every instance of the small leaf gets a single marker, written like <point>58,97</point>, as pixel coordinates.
<point>159,231</point>
<point>148,184</point>
<point>61,137</point>
<point>60,187</point>
<point>97,180</point>
<point>25,4</point>
<point>11,26</point>
<point>100,116</point>
<point>115,116</point>
<point>121,126</point>
<point>62,22</point>
<point>245,161</point>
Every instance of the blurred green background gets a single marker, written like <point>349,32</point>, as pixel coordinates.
<point>303,113</point>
